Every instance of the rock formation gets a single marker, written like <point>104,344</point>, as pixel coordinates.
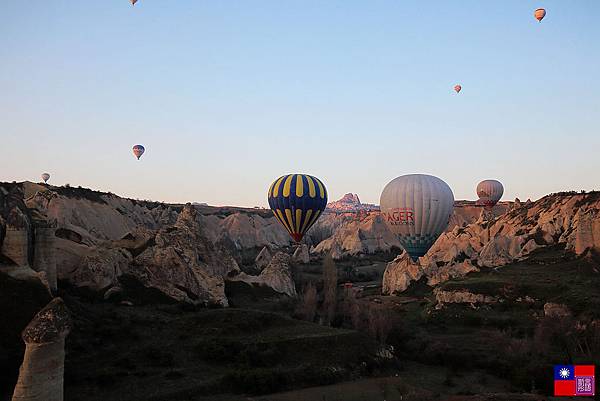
<point>301,254</point>
<point>41,375</point>
<point>568,220</point>
<point>22,295</point>
<point>263,258</point>
<point>461,297</point>
<point>103,241</point>
<point>556,310</point>
<point>350,203</point>
<point>352,234</point>
<point>399,273</point>
<point>354,237</point>
<point>183,264</point>
<point>277,275</point>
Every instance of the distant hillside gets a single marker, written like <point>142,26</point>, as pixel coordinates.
<point>350,203</point>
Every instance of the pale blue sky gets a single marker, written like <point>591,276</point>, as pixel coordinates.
<point>228,95</point>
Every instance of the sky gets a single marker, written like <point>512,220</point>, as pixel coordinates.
<point>226,96</point>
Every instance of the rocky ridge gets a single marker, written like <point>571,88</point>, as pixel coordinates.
<point>567,220</point>
<point>350,203</point>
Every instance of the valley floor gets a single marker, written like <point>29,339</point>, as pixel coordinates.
<point>468,352</point>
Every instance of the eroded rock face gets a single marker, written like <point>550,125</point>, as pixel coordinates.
<point>177,261</point>
<point>461,297</point>
<point>183,264</point>
<point>570,220</point>
<point>359,236</point>
<point>263,258</point>
<point>301,254</point>
<point>436,275</point>
<point>16,228</point>
<point>399,273</point>
<point>41,375</point>
<point>248,231</point>
<point>22,296</point>
<point>556,310</point>
<point>350,203</point>
<point>277,275</point>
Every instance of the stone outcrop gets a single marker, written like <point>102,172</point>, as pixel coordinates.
<point>41,376</point>
<point>22,296</point>
<point>461,297</point>
<point>359,236</point>
<point>399,273</point>
<point>439,274</point>
<point>568,220</point>
<point>556,310</point>
<point>44,256</point>
<point>277,275</point>
<point>263,258</point>
<point>245,231</point>
<point>301,254</point>
<point>16,227</point>
<point>183,264</point>
<point>350,203</point>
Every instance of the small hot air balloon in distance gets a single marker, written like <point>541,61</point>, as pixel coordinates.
<point>489,192</point>
<point>539,14</point>
<point>297,201</point>
<point>138,151</point>
<point>45,177</point>
<point>417,207</point>
<point>457,88</point>
<point>133,2</point>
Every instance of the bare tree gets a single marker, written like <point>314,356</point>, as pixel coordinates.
<point>379,323</point>
<point>308,305</point>
<point>329,289</point>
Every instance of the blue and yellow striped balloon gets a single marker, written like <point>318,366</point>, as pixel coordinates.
<point>297,201</point>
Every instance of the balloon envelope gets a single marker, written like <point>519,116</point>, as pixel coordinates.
<point>489,192</point>
<point>539,14</point>
<point>457,88</point>
<point>138,151</point>
<point>417,207</point>
<point>297,201</point>
<point>133,2</point>
<point>45,177</point>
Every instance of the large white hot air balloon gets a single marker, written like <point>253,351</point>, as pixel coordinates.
<point>45,177</point>
<point>489,192</point>
<point>417,207</point>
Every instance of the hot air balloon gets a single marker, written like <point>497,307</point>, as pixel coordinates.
<point>45,177</point>
<point>297,201</point>
<point>133,2</point>
<point>138,151</point>
<point>417,207</point>
<point>539,14</point>
<point>489,192</point>
<point>457,88</point>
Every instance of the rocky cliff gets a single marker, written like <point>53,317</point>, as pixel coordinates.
<point>567,220</point>
<point>113,246</point>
